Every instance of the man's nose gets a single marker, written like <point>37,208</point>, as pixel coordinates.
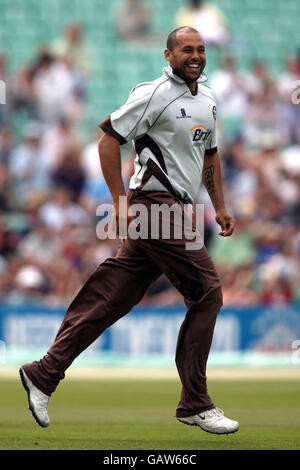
<point>195,55</point>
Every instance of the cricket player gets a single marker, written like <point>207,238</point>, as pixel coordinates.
<point>172,123</point>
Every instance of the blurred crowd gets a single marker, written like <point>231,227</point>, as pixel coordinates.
<point>259,116</point>
<point>51,181</point>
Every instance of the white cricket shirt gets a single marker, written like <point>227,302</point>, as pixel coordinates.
<point>171,130</point>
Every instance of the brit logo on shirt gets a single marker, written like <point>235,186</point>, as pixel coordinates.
<point>200,134</point>
<point>183,114</point>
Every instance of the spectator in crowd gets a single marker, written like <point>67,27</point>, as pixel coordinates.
<point>290,158</point>
<point>207,18</point>
<point>89,157</point>
<point>277,274</point>
<point>73,46</point>
<point>293,206</point>
<point>229,86</point>
<point>28,286</point>
<point>241,251</point>
<point>6,144</point>
<point>60,211</point>
<point>266,162</point>
<point>263,117</point>
<point>69,172</point>
<point>5,104</point>
<point>40,246</point>
<point>21,91</point>
<point>28,165</point>
<point>57,139</point>
<point>5,197</point>
<point>240,172</point>
<point>132,20</point>
<point>258,79</point>
<point>55,89</point>
<point>63,280</point>
<point>288,86</point>
<point>237,284</point>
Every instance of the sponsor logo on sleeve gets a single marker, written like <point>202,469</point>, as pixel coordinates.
<point>214,112</point>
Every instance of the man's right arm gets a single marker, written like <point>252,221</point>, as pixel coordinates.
<point>129,121</point>
<point>110,160</point>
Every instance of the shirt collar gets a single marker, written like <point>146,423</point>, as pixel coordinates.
<point>168,71</point>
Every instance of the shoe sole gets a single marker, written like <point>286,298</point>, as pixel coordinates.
<point>210,432</point>
<point>23,380</point>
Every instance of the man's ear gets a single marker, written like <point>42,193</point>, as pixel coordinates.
<point>167,54</point>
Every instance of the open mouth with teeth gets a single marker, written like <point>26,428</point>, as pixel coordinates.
<point>193,66</point>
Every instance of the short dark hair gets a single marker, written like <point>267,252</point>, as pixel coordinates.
<point>171,39</point>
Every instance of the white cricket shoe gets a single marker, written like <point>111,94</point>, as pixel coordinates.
<point>212,421</point>
<point>37,400</point>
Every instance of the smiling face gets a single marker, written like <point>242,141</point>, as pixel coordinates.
<point>187,56</point>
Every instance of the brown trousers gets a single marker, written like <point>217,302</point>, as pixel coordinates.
<point>118,284</point>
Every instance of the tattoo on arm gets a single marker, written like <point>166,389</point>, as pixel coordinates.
<point>209,178</point>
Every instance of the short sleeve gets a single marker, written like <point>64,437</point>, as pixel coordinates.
<point>134,118</point>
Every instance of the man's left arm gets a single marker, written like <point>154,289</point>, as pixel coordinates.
<point>212,179</point>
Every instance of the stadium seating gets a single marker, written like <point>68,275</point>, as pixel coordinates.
<point>266,29</point>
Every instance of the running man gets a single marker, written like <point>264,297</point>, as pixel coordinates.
<point>172,123</point>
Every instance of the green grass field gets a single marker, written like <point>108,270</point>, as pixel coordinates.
<point>132,415</point>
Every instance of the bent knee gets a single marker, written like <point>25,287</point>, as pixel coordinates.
<point>213,295</point>
<point>218,296</point>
